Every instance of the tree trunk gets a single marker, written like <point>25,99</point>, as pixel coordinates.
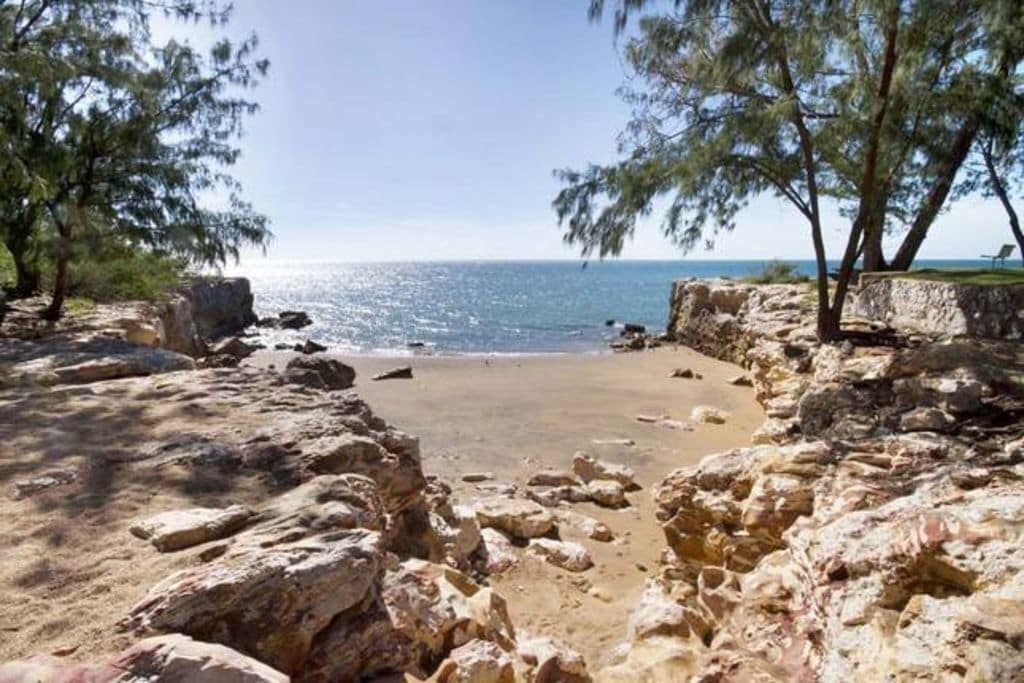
<point>1004,198</point>
<point>874,259</point>
<point>62,279</point>
<point>19,232</point>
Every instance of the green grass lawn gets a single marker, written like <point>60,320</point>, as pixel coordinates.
<point>964,276</point>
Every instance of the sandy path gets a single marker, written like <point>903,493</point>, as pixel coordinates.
<point>512,416</point>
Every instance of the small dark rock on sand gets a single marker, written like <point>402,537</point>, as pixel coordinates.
<point>685,373</point>
<point>404,372</point>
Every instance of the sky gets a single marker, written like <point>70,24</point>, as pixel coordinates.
<point>400,130</point>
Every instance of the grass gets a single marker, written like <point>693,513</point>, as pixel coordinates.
<point>963,276</point>
<point>777,273</point>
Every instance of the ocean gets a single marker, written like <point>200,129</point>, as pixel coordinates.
<point>483,307</point>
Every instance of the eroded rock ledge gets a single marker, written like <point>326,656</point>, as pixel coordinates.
<point>877,532</point>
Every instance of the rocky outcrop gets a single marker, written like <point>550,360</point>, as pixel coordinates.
<point>942,309</point>
<point>876,535</point>
<point>220,306</point>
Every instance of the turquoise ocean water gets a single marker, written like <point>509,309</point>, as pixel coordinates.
<point>480,307</point>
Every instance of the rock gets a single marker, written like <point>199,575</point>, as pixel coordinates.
<point>566,555</point>
<point>233,346</point>
<point>551,661</point>
<point>219,306</point>
<point>319,373</point>
<point>709,415</point>
<point>218,361</point>
<point>926,419</point>
<point>589,469</point>
<point>610,322</point>
<point>171,657</point>
<point>283,346</point>
<point>633,328</point>
<point>519,518</point>
<point>416,344</point>
<point>293,320</point>
<point>556,495</point>
<point>675,424</point>
<point>49,480</point>
<point>178,529</point>
<point>143,334</point>
<point>498,488</point>
<point>459,531</point>
<point>741,381</point>
<point>649,419</point>
<point>282,581</point>
<point>478,661</point>
<point>607,493</point>
<point>614,442</point>
<point>92,361</point>
<point>310,347</point>
<point>475,477</point>
<point>685,373</point>
<point>553,478</point>
<point>499,552</point>
<point>404,372</point>
<point>588,526</point>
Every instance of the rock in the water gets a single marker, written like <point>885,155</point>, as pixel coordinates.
<point>319,373</point>
<point>709,415</point>
<point>233,346</point>
<point>553,478</point>
<point>633,328</point>
<point>293,320</point>
<point>588,469</point>
<point>607,493</point>
<point>519,518</point>
<point>310,347</point>
<point>403,372</point>
<point>178,529</point>
<point>567,555</point>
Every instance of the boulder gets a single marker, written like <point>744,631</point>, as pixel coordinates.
<point>589,469</point>
<point>607,493</point>
<point>519,518</point>
<point>319,373</point>
<point>293,320</point>
<point>550,661</point>
<point>173,657</point>
<point>178,529</point>
<point>233,346</point>
<point>553,478</point>
<point>556,495</point>
<point>709,415</point>
<point>403,372</point>
<point>282,581</point>
<point>926,419</point>
<point>219,306</point>
<point>478,661</point>
<point>499,553</point>
<point>588,526</point>
<point>566,555</point>
<point>310,347</point>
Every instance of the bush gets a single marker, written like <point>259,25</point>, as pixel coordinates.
<point>778,273</point>
<point>8,276</point>
<point>120,275</point>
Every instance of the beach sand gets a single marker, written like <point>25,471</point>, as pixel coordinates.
<point>512,416</point>
<point>70,569</point>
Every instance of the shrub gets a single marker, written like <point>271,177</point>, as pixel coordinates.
<point>778,273</point>
<point>120,275</point>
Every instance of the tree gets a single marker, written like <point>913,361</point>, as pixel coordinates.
<point>104,129</point>
<point>870,104</point>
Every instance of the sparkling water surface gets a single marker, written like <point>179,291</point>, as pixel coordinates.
<point>479,307</point>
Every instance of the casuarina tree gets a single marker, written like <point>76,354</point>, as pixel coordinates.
<point>868,106</point>
<point>106,132</point>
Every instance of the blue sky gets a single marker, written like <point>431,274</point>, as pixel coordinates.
<point>429,130</point>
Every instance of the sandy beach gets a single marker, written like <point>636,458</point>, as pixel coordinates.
<point>514,415</point>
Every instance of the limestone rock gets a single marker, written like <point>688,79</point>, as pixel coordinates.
<point>519,518</point>
<point>709,415</point>
<point>589,469</point>
<point>178,529</point>
<point>319,373</point>
<point>926,419</point>
<point>53,478</point>
<point>478,661</point>
<point>550,661</point>
<point>588,526</point>
<point>556,495</point>
<point>498,550</point>
<point>553,478</point>
<point>233,346</point>
<point>607,493</point>
<point>567,555</point>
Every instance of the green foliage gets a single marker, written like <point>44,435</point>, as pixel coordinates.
<point>122,275</point>
<point>100,128</point>
<point>871,104</point>
<point>7,274</point>
<point>777,273</point>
